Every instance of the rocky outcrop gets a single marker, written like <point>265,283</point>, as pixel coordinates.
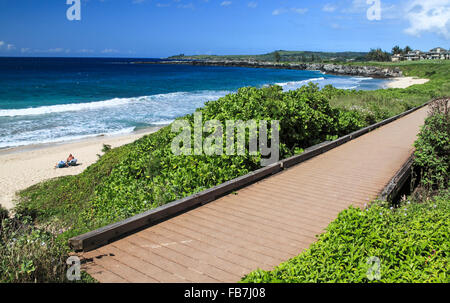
<point>352,70</point>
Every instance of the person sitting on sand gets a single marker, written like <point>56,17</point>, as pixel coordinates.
<point>71,161</point>
<point>70,158</point>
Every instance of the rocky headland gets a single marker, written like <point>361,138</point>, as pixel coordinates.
<point>337,69</point>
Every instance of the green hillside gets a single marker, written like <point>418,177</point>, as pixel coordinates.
<point>285,56</point>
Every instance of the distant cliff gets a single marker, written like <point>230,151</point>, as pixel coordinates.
<point>352,70</point>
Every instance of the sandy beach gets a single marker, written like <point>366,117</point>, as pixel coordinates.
<point>22,167</point>
<point>404,82</point>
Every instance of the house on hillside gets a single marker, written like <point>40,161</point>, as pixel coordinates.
<point>438,53</point>
<point>413,55</point>
<point>396,57</point>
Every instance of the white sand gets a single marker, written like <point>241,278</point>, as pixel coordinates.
<point>404,82</point>
<point>25,166</point>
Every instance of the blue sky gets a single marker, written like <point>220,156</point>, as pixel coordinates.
<point>160,28</point>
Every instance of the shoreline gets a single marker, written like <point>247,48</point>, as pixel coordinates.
<point>24,166</point>
<point>404,82</point>
<point>330,68</point>
<point>44,145</point>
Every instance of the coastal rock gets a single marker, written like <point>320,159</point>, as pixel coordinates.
<point>338,69</point>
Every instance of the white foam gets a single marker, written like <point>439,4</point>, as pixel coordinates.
<point>42,110</point>
<point>61,139</point>
<point>299,83</point>
<point>72,107</point>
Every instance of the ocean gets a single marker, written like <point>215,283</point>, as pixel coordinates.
<point>46,100</point>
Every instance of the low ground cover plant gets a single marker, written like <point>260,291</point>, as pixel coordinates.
<point>433,148</point>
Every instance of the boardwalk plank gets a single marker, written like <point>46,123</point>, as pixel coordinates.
<point>265,223</point>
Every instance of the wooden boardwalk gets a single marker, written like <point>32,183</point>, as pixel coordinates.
<point>264,224</point>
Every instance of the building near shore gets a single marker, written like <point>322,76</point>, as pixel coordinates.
<point>437,53</point>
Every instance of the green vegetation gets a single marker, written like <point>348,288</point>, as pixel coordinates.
<point>433,148</point>
<point>277,57</point>
<point>398,50</point>
<point>409,238</point>
<point>30,254</point>
<point>284,56</point>
<point>378,55</point>
<point>145,174</point>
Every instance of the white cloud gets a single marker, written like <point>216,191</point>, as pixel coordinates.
<point>280,11</point>
<point>429,16</point>
<point>55,50</point>
<point>329,8</point>
<point>299,10</point>
<point>86,51</point>
<point>9,47</point>
<point>357,6</point>
<point>24,50</point>
<point>225,3</point>
<point>189,5</point>
<point>109,51</point>
<point>335,26</point>
<point>252,4</point>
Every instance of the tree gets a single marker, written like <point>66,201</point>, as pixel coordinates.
<point>378,55</point>
<point>277,56</point>
<point>407,49</point>
<point>396,50</point>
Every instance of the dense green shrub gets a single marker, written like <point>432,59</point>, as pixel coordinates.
<point>29,254</point>
<point>411,242</point>
<point>432,155</point>
<point>378,55</point>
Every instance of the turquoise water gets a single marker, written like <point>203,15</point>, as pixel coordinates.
<point>58,99</point>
